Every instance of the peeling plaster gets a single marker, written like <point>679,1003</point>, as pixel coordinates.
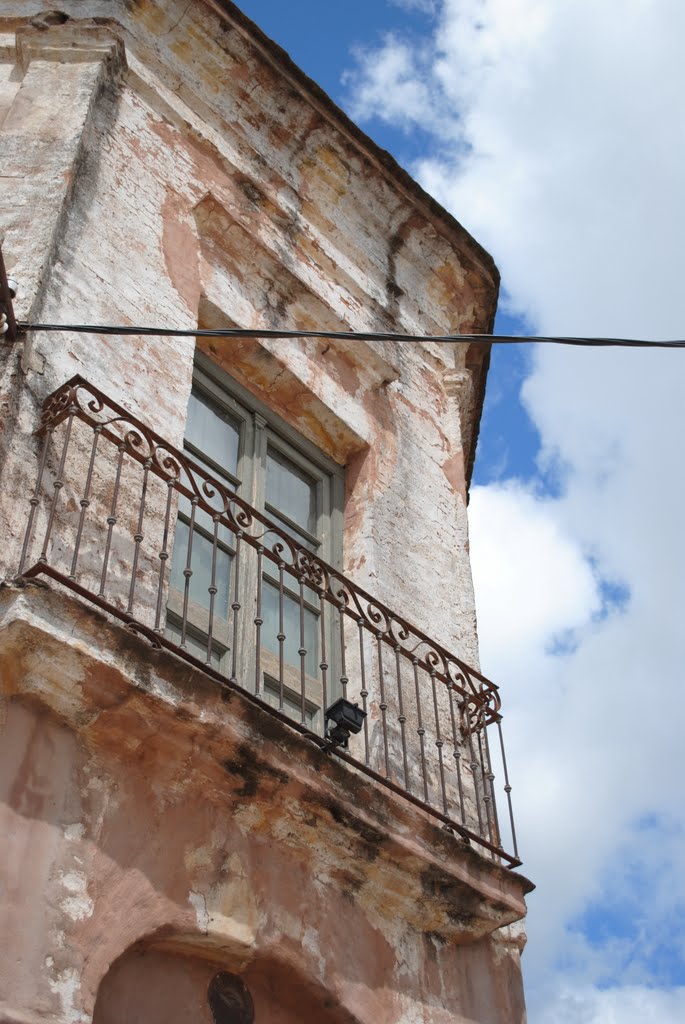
<point>66,986</point>
<point>78,906</point>
<point>199,903</point>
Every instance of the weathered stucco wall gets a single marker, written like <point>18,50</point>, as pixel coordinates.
<point>163,165</point>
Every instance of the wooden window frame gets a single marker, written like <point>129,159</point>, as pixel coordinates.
<point>262,429</point>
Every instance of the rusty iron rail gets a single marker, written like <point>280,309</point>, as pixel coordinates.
<point>429,715</point>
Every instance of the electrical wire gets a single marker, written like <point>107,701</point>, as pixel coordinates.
<point>441,339</point>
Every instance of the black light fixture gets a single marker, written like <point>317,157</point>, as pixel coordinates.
<point>347,718</point>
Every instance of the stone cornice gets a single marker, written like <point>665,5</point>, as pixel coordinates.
<point>71,42</point>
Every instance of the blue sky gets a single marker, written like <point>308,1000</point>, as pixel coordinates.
<point>553,130</point>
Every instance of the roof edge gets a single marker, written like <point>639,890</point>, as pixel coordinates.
<point>386,163</point>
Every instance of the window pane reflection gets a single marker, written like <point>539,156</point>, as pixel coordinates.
<point>292,705</point>
<point>215,502</point>
<point>290,490</point>
<point>213,432</point>
<point>194,645</point>
<point>201,565</point>
<point>291,628</point>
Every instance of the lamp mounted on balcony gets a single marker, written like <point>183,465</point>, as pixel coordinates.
<point>347,718</point>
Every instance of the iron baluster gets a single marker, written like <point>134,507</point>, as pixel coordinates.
<point>364,693</point>
<point>439,743</point>
<point>138,536</point>
<point>401,718</point>
<point>85,502</point>
<point>280,637</point>
<point>58,484</point>
<point>188,571</point>
<point>507,788</point>
<point>235,606</point>
<point>456,740</point>
<point>474,766</point>
<point>212,589</point>
<point>486,789</point>
<point>112,518</point>
<point>323,665</point>
<point>497,840</point>
<point>383,704</point>
<point>164,555</point>
<point>258,622</point>
<point>420,731</point>
<point>34,500</point>
<point>302,651</point>
<point>343,667</point>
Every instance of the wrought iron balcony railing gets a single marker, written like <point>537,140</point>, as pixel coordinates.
<point>102,521</point>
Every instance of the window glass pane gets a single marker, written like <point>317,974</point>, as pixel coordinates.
<point>290,490</point>
<point>213,432</point>
<point>292,705</point>
<point>201,565</point>
<point>216,502</point>
<point>291,628</point>
<point>296,492</point>
<point>195,645</point>
<point>300,538</point>
<point>271,568</point>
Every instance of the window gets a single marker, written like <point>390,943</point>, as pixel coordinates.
<point>251,451</point>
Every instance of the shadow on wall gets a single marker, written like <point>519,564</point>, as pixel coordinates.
<point>147,985</point>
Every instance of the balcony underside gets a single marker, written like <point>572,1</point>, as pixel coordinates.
<point>126,700</point>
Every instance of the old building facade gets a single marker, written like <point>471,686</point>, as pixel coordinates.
<point>210,542</point>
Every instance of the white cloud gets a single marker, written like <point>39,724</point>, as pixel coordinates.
<point>521,548</point>
<point>570,109</point>
<point>558,140</point>
<point>391,85</point>
<point>630,1005</point>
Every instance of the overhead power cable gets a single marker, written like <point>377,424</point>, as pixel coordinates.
<point>440,339</point>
